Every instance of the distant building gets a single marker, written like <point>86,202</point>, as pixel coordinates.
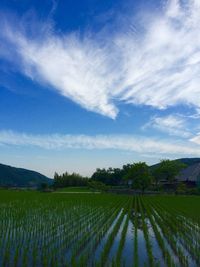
<point>190,175</point>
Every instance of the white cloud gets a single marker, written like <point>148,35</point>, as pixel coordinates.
<point>76,69</point>
<point>196,139</point>
<point>131,143</point>
<point>194,116</point>
<point>171,124</point>
<point>160,67</point>
<point>173,9</point>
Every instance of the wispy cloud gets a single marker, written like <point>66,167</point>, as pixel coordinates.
<point>196,139</point>
<point>193,116</point>
<point>158,67</point>
<point>171,124</point>
<point>137,144</point>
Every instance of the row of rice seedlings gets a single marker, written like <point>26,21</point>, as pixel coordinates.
<point>97,227</point>
<point>81,232</point>
<point>178,231</point>
<point>190,222</point>
<point>28,236</point>
<point>170,237</point>
<point>158,259</point>
<point>63,241</point>
<point>140,252</point>
<point>105,236</point>
<point>5,225</point>
<point>8,237</point>
<point>191,231</point>
<point>55,228</point>
<point>67,237</point>
<point>190,238</point>
<point>118,259</point>
<point>11,238</point>
<point>18,252</point>
<point>110,240</point>
<point>135,223</point>
<point>117,240</point>
<point>100,232</point>
<point>166,255</point>
<point>146,235</point>
<point>82,228</point>
<point>188,230</point>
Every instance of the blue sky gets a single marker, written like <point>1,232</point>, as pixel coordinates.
<point>86,84</point>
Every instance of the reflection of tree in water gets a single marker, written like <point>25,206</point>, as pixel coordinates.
<point>139,219</point>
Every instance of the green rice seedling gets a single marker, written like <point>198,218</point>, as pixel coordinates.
<point>99,234</point>
<point>107,247</point>
<point>117,262</point>
<point>80,230</point>
<point>16,256</point>
<point>146,235</point>
<point>171,239</point>
<point>85,238</point>
<point>178,232</point>
<point>165,252</point>
<point>135,263</point>
<point>186,231</point>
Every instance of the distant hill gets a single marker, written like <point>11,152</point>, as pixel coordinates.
<point>18,177</point>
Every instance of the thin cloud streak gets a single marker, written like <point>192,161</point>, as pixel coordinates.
<point>172,124</point>
<point>196,139</point>
<point>130,143</point>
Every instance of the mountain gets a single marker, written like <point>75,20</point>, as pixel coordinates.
<point>18,177</point>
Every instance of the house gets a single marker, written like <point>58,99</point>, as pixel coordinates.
<point>190,175</point>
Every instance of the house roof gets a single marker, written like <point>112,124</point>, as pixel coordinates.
<point>191,173</point>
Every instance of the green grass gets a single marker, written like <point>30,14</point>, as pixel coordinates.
<point>47,229</point>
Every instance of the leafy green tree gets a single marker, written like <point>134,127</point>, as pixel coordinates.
<point>140,176</point>
<point>110,176</point>
<point>157,175</point>
<point>167,170</point>
<point>198,182</point>
<point>44,186</point>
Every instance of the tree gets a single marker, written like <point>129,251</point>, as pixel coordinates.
<point>140,175</point>
<point>167,170</point>
<point>198,181</point>
<point>110,176</point>
<point>44,187</point>
<point>67,179</point>
<point>157,175</point>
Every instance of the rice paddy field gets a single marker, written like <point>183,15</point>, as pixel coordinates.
<point>49,229</point>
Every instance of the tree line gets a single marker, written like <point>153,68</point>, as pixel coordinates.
<point>137,175</point>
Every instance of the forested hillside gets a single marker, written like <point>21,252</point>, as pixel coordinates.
<point>11,176</point>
